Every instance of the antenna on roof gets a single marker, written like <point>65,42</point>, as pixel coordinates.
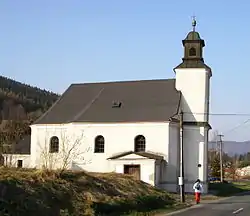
<point>193,22</point>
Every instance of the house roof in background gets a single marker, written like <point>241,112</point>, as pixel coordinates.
<point>110,102</point>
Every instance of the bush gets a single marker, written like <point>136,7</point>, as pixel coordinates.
<point>215,167</point>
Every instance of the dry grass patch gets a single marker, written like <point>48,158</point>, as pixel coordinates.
<point>34,192</point>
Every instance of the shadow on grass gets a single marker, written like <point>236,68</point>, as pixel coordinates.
<point>229,189</point>
<point>26,198</point>
<point>139,204</point>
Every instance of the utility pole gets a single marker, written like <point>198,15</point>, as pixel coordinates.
<point>181,178</point>
<point>221,156</point>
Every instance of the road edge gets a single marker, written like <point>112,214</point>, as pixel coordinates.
<point>203,204</point>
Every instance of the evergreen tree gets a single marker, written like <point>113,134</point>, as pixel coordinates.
<point>215,167</point>
<point>20,105</point>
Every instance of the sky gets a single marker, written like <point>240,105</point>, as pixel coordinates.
<point>53,43</point>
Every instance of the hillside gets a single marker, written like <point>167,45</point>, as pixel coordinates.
<point>20,105</point>
<point>33,192</point>
<point>234,147</point>
<point>19,101</point>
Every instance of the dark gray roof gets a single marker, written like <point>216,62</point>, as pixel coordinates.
<point>193,64</point>
<point>143,154</point>
<point>23,146</point>
<point>141,101</point>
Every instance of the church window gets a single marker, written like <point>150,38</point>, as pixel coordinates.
<point>140,143</point>
<point>54,144</point>
<point>192,51</point>
<point>99,144</point>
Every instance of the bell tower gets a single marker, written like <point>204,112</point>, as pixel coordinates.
<point>193,50</point>
<point>193,81</point>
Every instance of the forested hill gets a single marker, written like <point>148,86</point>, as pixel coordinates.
<point>19,101</point>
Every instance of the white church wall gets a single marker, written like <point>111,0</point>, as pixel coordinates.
<point>118,138</point>
<point>157,174</point>
<point>40,139</point>
<point>194,86</point>
<point>170,176</point>
<point>195,153</point>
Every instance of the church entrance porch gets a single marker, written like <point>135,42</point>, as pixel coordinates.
<point>133,170</point>
<point>142,166</point>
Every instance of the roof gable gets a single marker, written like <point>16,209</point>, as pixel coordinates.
<point>136,155</point>
<point>139,101</point>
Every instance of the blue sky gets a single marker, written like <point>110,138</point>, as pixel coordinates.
<point>53,43</point>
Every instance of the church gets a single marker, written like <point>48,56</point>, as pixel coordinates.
<point>131,127</point>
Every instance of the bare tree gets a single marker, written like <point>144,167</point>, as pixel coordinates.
<point>47,160</point>
<point>71,148</point>
<point>212,148</point>
<point>232,170</point>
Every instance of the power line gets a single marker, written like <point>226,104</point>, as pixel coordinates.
<point>236,127</point>
<point>225,114</point>
<point>220,114</point>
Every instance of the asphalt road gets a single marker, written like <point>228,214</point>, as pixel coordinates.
<point>239,205</point>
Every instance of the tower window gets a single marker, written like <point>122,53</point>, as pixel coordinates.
<point>192,51</point>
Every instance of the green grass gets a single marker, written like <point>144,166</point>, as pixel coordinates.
<point>33,192</point>
<point>229,189</point>
<point>160,212</point>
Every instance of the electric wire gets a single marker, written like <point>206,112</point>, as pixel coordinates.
<point>219,114</point>
<point>226,114</point>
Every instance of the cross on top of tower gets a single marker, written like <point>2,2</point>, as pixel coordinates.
<point>193,22</point>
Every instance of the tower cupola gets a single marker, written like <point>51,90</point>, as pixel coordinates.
<point>193,50</point>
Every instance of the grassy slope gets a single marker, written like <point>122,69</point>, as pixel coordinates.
<point>32,192</point>
<point>230,189</point>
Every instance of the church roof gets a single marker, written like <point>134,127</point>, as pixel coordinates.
<point>193,35</point>
<point>193,64</point>
<point>110,102</point>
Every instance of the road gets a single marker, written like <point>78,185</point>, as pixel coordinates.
<point>238,205</point>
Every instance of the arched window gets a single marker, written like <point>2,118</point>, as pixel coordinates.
<point>192,51</point>
<point>140,143</point>
<point>54,144</point>
<point>99,144</point>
